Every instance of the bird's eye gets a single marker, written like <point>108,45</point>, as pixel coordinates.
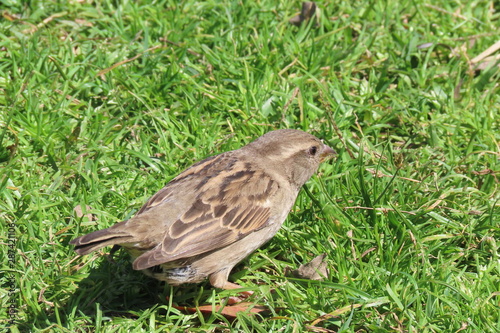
<point>313,150</point>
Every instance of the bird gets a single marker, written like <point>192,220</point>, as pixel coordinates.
<point>217,212</point>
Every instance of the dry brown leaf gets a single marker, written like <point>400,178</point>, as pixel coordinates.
<point>490,50</point>
<point>79,212</point>
<point>229,311</point>
<point>485,59</point>
<point>308,12</point>
<point>316,269</point>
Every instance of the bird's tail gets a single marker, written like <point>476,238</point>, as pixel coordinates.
<point>100,238</point>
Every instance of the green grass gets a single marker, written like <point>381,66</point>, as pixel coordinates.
<point>408,213</point>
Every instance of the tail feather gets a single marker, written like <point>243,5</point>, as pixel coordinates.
<point>99,239</point>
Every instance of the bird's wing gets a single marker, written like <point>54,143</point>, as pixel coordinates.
<point>231,200</point>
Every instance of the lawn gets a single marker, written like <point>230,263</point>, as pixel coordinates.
<point>103,102</point>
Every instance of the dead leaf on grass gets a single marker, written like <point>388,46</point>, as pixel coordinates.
<point>229,311</point>
<point>308,11</point>
<point>79,212</point>
<point>316,269</point>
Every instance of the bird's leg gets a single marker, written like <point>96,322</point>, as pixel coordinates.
<point>236,299</point>
<point>219,280</point>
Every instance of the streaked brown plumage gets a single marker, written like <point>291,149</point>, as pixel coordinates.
<point>217,212</point>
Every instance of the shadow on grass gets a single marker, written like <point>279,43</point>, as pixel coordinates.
<point>85,297</point>
<point>111,289</point>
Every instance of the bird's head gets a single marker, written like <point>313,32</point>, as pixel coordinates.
<point>294,154</point>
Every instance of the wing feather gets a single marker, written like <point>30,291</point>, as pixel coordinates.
<point>228,206</point>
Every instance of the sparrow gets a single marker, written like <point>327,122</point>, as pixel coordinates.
<point>217,212</point>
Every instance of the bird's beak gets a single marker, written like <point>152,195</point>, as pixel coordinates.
<point>327,153</point>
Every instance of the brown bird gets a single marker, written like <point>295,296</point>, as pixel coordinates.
<point>217,212</point>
